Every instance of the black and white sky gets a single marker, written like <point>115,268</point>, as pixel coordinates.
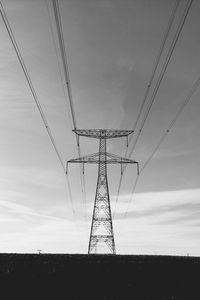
<point>111,49</point>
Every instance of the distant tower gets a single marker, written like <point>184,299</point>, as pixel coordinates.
<point>101,234</point>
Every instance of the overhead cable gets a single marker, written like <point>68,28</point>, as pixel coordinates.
<point>68,84</point>
<point>160,78</point>
<point>188,98</point>
<point>33,92</point>
<point>173,121</point>
<point>163,70</point>
<point>57,56</point>
<point>64,57</point>
<point>157,61</point>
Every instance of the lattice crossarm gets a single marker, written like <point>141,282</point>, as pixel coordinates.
<point>97,158</point>
<point>115,159</point>
<point>92,159</point>
<point>98,133</point>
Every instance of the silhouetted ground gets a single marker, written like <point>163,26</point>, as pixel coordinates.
<point>64,276</point>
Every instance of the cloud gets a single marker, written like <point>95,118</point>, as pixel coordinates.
<point>170,206</point>
<point>22,211</point>
<point>143,229</point>
<point>159,222</point>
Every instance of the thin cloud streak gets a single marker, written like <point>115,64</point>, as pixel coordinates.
<point>144,205</point>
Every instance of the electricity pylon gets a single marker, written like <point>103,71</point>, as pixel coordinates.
<point>101,234</point>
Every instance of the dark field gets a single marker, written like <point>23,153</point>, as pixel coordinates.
<point>64,276</point>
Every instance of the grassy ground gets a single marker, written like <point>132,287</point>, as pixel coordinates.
<point>64,276</point>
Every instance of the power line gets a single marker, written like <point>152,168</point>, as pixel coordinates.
<point>33,92</point>
<point>68,85</point>
<point>173,121</point>
<point>188,98</point>
<point>60,75</point>
<point>58,63</point>
<point>162,73</point>
<point>14,43</point>
<point>132,193</point>
<point>64,57</point>
<point>157,61</point>
<point>57,56</point>
<point>68,112</point>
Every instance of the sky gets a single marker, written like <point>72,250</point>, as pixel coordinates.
<point>111,49</point>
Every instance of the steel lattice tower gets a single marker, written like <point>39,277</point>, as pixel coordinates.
<point>101,234</point>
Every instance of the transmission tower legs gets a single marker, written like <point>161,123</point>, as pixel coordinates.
<point>101,235</point>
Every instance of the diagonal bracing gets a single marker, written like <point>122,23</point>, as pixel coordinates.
<point>102,234</point>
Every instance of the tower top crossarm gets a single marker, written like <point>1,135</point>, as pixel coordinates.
<point>99,133</point>
<point>101,233</point>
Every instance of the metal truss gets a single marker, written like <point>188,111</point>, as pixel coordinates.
<point>97,133</point>
<point>102,234</point>
<point>110,159</point>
